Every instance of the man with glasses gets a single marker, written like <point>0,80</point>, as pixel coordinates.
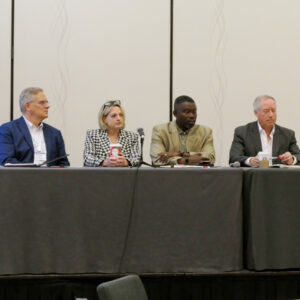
<point>28,139</point>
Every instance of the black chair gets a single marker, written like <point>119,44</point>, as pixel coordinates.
<point>125,288</point>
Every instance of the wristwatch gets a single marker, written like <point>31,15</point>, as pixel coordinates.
<point>187,159</point>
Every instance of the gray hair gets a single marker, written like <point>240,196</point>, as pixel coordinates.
<point>259,99</point>
<point>105,110</point>
<point>26,96</point>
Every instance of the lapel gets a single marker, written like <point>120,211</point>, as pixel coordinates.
<point>25,131</point>
<point>104,141</point>
<point>276,141</point>
<point>121,139</point>
<point>174,136</point>
<point>255,137</point>
<point>47,138</point>
<point>192,140</point>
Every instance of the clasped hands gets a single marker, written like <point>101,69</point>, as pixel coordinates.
<point>193,159</point>
<point>286,158</point>
<point>115,161</point>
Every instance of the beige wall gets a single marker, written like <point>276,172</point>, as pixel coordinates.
<point>228,52</point>
<point>5,29</point>
<point>84,53</point>
<point>225,54</point>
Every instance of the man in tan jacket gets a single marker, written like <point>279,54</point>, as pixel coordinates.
<point>182,141</point>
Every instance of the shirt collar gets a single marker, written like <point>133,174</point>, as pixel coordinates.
<point>260,129</point>
<point>30,125</point>
<point>180,131</point>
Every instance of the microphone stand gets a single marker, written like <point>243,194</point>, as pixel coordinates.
<point>142,162</point>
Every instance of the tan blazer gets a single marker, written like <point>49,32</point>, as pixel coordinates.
<point>165,138</point>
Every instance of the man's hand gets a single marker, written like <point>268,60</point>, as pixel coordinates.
<point>287,158</point>
<point>164,156</point>
<point>192,159</point>
<point>254,161</point>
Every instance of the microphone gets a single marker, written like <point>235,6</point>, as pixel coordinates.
<point>46,162</point>
<point>140,131</point>
<point>235,164</point>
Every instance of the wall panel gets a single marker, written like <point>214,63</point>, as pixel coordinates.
<point>5,38</point>
<point>228,52</point>
<point>84,53</point>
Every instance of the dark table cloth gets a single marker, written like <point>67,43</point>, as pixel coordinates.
<point>109,221</point>
<point>272,218</point>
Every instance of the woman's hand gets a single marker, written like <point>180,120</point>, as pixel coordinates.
<point>122,161</point>
<point>116,161</point>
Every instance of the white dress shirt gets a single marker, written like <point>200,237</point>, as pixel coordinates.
<point>38,140</point>
<point>266,145</point>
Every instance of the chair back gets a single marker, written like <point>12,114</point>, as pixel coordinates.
<point>125,288</point>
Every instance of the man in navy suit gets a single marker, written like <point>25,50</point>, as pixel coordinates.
<point>264,136</point>
<point>28,139</point>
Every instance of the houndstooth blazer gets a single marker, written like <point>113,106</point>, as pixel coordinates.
<point>97,147</point>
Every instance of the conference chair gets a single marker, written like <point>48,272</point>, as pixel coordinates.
<point>125,288</point>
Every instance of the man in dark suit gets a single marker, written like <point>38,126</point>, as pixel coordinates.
<point>264,136</point>
<point>27,139</point>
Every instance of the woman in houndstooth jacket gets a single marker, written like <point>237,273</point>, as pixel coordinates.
<point>112,123</point>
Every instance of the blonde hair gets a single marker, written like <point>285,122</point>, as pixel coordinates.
<point>105,110</point>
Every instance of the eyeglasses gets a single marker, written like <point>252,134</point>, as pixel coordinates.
<point>42,102</point>
<point>112,103</point>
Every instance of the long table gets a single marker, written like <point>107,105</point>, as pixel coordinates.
<point>111,221</point>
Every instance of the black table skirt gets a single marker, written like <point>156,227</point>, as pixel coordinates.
<point>110,221</point>
<point>272,218</point>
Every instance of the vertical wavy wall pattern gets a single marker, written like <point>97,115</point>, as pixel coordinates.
<point>218,76</point>
<point>61,77</point>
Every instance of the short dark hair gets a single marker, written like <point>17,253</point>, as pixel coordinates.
<point>182,99</point>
